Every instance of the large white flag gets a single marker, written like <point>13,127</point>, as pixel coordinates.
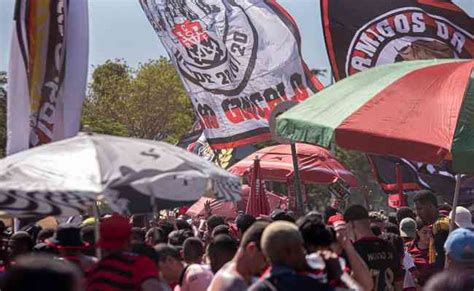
<point>47,72</point>
<point>237,60</point>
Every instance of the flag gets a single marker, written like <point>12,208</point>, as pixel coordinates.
<point>363,34</point>
<point>237,61</point>
<point>47,72</point>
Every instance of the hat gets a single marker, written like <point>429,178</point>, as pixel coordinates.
<point>334,218</point>
<point>460,245</point>
<point>463,217</point>
<point>408,227</point>
<point>356,212</point>
<point>67,236</point>
<point>115,231</point>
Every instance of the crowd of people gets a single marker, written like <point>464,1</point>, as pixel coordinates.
<point>353,249</point>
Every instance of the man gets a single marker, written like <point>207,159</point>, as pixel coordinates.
<point>119,269</point>
<point>378,254</point>
<point>426,207</point>
<point>249,261</point>
<point>463,217</point>
<point>193,250</point>
<point>243,222</point>
<point>404,212</point>
<point>177,274</point>
<point>220,251</point>
<point>460,249</point>
<point>283,246</point>
<point>20,243</point>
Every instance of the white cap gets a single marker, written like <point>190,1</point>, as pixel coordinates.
<point>463,217</point>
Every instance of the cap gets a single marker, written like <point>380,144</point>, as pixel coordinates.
<point>460,245</point>
<point>356,212</point>
<point>67,236</point>
<point>463,217</point>
<point>408,227</point>
<point>334,218</point>
<point>114,232</point>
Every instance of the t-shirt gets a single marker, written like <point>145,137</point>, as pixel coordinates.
<point>420,258</point>
<point>227,279</point>
<point>120,271</point>
<point>384,265</point>
<point>194,278</point>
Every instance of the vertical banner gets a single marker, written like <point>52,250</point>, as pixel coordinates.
<point>47,72</point>
<point>237,60</point>
<point>363,34</point>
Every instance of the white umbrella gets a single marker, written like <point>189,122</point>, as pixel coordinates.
<point>134,175</point>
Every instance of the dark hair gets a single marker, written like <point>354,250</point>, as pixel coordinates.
<point>183,224</point>
<point>24,238</point>
<point>193,249</point>
<point>157,234</point>
<point>165,250</point>
<point>138,234</point>
<point>40,272</point>
<point>404,212</point>
<point>144,250</point>
<point>356,212</point>
<point>244,221</point>
<point>392,218</point>
<point>392,228</point>
<point>254,234</point>
<point>221,249</point>
<point>425,196</point>
<point>166,228</point>
<point>221,229</point>
<point>213,221</point>
<point>177,237</point>
<point>419,223</point>
<point>446,207</point>
<point>451,280</point>
<point>314,232</point>
<point>375,229</point>
<point>45,234</point>
<point>280,214</point>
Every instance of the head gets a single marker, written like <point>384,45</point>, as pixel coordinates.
<point>243,222</point>
<point>44,234</point>
<point>213,221</point>
<point>408,228</point>
<point>282,215</point>
<point>377,218</point>
<point>169,262</point>
<point>20,243</point>
<point>144,250</point>
<point>426,206</point>
<point>177,237</point>
<point>460,249</point>
<point>154,236</point>
<point>115,233</point>
<point>315,234</point>
<point>404,212</point>
<point>138,235</point>
<point>193,250</point>
<point>451,280</point>
<point>40,272</point>
<point>423,232</point>
<point>250,247</point>
<point>357,217</point>
<point>166,228</point>
<point>221,250</point>
<point>221,229</point>
<point>463,217</point>
<point>181,223</point>
<point>283,244</point>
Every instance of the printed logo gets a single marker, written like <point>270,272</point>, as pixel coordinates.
<point>406,34</point>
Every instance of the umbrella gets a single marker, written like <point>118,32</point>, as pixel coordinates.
<point>418,110</point>
<point>316,165</point>
<point>133,175</point>
<point>230,209</point>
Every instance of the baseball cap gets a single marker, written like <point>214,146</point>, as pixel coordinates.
<point>356,212</point>
<point>460,245</point>
<point>115,231</point>
<point>463,217</point>
<point>335,218</point>
<point>408,227</point>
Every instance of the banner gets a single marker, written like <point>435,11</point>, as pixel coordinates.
<point>47,72</point>
<point>366,33</point>
<point>237,60</point>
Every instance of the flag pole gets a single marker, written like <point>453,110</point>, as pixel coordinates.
<point>455,203</point>
<point>296,180</point>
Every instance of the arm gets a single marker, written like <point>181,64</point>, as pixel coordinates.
<point>152,284</point>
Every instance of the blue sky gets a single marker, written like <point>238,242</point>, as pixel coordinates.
<point>119,29</point>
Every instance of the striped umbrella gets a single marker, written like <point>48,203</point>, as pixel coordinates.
<point>418,110</point>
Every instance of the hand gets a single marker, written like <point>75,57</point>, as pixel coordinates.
<point>341,234</point>
<point>333,268</point>
<point>207,209</point>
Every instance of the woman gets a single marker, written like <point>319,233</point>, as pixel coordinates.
<point>419,251</point>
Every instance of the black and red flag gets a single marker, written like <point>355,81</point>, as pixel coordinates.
<point>367,33</point>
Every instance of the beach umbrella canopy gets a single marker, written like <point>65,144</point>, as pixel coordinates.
<point>316,164</point>
<point>134,176</point>
<point>418,110</point>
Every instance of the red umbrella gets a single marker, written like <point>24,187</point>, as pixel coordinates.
<point>257,203</point>
<point>316,164</point>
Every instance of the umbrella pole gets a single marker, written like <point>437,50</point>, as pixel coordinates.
<point>455,202</point>
<point>98,250</point>
<point>296,180</point>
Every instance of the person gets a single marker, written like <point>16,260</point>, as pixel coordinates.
<point>243,222</point>
<point>67,241</point>
<point>426,207</point>
<point>40,272</point>
<point>120,269</point>
<point>451,280</point>
<point>283,246</point>
<point>45,234</point>
<point>213,221</point>
<point>221,229</point>
<point>20,243</point>
<point>460,249</point>
<point>378,254</point>
<point>404,212</point>
<point>154,236</point>
<point>177,237</point>
<point>418,250</point>
<point>463,217</point>
<point>221,250</point>
<point>138,236</point>
<point>280,214</point>
<point>193,250</point>
<point>407,230</point>
<point>378,219</point>
<point>249,261</point>
<point>88,236</point>
<point>177,274</point>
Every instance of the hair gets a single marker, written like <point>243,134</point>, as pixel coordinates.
<point>425,196</point>
<point>221,250</point>
<point>144,250</point>
<point>157,234</point>
<point>24,238</point>
<point>328,212</point>
<point>314,232</point>
<point>277,238</point>
<point>356,212</point>
<point>451,280</point>
<point>41,272</point>
<point>221,229</point>
<point>244,221</point>
<point>420,224</point>
<point>392,228</point>
<point>166,228</point>
<point>45,234</point>
<point>392,218</point>
<point>446,207</point>
<point>138,235</point>
<point>254,234</point>
<point>213,221</point>
<point>282,215</point>
<point>177,237</point>
<point>193,250</point>
<point>376,216</point>
<point>404,212</point>
<point>375,229</point>
<point>164,251</point>
<point>183,224</point>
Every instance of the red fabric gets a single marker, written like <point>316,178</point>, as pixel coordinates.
<point>114,231</point>
<point>335,218</point>
<point>257,202</point>
<point>229,209</point>
<point>317,165</point>
<point>414,118</point>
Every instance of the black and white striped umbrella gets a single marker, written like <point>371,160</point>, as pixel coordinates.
<point>133,175</point>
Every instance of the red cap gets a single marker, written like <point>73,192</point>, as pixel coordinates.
<point>335,218</point>
<point>114,232</point>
